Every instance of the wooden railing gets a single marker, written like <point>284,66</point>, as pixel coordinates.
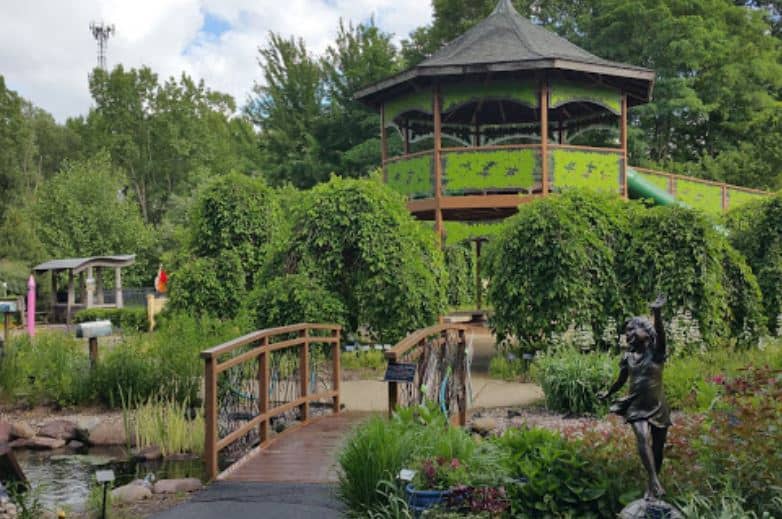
<point>421,347</point>
<point>252,355</point>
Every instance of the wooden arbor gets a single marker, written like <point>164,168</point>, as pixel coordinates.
<point>90,274</point>
<point>493,119</point>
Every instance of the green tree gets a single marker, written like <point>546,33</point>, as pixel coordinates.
<point>361,54</point>
<point>84,211</point>
<point>160,134</point>
<point>12,133</point>
<point>286,107</point>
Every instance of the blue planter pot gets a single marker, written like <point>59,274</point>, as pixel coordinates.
<point>420,500</point>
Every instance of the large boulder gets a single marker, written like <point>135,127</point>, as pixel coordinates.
<point>59,429</point>
<point>107,433</point>
<point>22,430</point>
<point>149,453</point>
<point>175,486</point>
<point>130,493</point>
<point>38,443</point>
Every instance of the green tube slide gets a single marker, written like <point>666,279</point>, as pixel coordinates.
<point>638,187</point>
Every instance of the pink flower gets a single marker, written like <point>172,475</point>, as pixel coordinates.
<point>455,463</point>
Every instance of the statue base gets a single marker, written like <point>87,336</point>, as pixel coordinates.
<point>650,509</point>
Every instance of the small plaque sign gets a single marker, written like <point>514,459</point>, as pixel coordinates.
<point>400,372</point>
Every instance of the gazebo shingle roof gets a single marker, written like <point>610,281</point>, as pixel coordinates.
<point>507,42</point>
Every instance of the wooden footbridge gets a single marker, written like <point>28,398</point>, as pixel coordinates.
<point>272,398</point>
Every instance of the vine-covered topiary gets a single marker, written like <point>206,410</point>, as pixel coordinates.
<point>357,239</point>
<point>233,228</point>
<point>746,318</point>
<point>756,231</point>
<point>459,263</point>
<point>291,299</point>
<point>552,266</point>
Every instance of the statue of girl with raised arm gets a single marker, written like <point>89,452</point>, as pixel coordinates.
<point>644,406</point>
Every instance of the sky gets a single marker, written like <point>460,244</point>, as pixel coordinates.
<point>47,50</point>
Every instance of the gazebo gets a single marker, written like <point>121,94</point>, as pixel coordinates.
<point>487,122</point>
<point>90,278</point>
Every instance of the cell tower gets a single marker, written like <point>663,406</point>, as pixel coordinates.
<point>102,33</point>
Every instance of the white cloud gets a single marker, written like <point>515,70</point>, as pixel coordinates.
<point>47,51</point>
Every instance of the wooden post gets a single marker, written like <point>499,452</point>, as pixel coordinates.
<point>477,133</point>
<point>393,397</point>
<point>263,391</point>
<point>99,285</point>
<point>460,359</point>
<point>560,136</point>
<point>383,142</point>
<point>672,180</point>
<point>71,297</point>
<point>724,198</point>
<point>337,369</point>
<point>623,141</point>
<point>478,284</point>
<point>90,287</point>
<point>118,287</point>
<point>304,372</point>
<point>438,168</point>
<point>93,341</point>
<point>406,129</point>
<point>6,327</point>
<point>210,417</point>
<point>53,295</point>
<point>544,166</point>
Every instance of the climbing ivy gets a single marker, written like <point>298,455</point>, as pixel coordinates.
<point>567,92</point>
<point>411,176</point>
<point>698,195</point>
<point>738,197</point>
<point>490,169</point>
<point>586,169</point>
<point>460,94</point>
<point>420,101</point>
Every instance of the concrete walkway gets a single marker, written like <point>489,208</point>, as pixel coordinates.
<point>239,500</point>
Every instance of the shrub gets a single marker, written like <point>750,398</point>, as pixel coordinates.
<point>571,379</point>
<point>558,483</point>
<point>208,286</point>
<point>677,252</point>
<point>746,317</point>
<point>234,228</point>
<point>357,238</point>
<point>458,263</point>
<point>52,367</point>
<point>291,299</point>
<point>756,232</point>
<point>553,264</point>
<point>129,319</point>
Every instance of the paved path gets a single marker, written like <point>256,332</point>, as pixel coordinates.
<point>243,500</point>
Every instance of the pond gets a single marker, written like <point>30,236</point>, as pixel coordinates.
<point>63,479</point>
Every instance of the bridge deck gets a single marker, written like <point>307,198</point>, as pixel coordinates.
<point>307,454</point>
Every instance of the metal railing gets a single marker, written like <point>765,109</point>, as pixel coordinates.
<point>442,371</point>
<point>261,378</point>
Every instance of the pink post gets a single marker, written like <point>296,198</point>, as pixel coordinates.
<point>31,306</point>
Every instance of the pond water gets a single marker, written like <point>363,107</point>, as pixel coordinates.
<point>63,479</point>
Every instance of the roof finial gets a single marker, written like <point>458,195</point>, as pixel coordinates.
<point>504,7</point>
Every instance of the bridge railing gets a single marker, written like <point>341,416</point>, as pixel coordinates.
<point>441,369</point>
<point>260,383</point>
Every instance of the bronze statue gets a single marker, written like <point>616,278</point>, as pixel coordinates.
<point>644,407</point>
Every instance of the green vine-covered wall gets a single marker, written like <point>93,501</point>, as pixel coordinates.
<point>483,170</point>
<point>586,169</point>
<point>566,92</point>
<point>460,94</point>
<point>419,102</point>
<point>658,181</point>
<point>706,197</point>
<point>737,198</point>
<point>457,232</point>
<point>412,177</point>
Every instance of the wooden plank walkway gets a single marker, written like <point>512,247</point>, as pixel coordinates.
<point>307,454</point>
